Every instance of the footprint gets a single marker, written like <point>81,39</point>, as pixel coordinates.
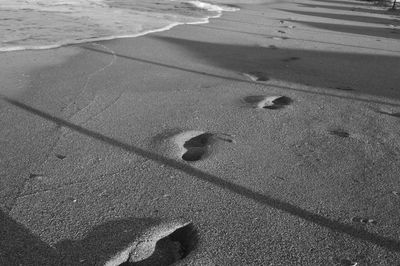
<point>71,199</point>
<point>194,145</point>
<point>162,246</point>
<point>389,113</point>
<point>60,156</point>
<point>339,132</point>
<point>256,76</point>
<point>357,219</point>
<point>293,58</point>
<point>344,88</point>
<point>279,38</point>
<point>291,27</point>
<point>36,176</point>
<point>344,262</point>
<point>281,31</point>
<point>347,262</point>
<point>268,102</point>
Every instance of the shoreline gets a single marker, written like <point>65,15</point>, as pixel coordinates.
<point>201,5</point>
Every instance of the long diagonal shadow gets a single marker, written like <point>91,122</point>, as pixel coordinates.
<point>237,79</point>
<point>18,246</point>
<point>299,39</point>
<point>348,8</point>
<point>346,17</point>
<point>352,29</point>
<point>352,3</point>
<point>278,204</point>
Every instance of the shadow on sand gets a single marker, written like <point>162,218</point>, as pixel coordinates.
<point>355,18</point>
<point>19,246</point>
<point>347,8</point>
<point>297,39</point>
<point>339,2</point>
<point>104,241</point>
<point>357,30</point>
<point>315,68</point>
<point>18,237</point>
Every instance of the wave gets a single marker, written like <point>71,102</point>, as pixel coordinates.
<point>25,25</point>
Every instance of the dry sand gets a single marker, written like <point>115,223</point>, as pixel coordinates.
<point>92,138</point>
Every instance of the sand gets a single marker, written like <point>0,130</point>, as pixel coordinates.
<point>91,142</point>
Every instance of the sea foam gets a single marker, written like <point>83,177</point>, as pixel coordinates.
<point>45,24</point>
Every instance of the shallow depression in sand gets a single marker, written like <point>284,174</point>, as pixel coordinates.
<point>339,132</point>
<point>161,246</point>
<point>194,145</point>
<point>289,59</point>
<point>256,76</point>
<point>268,102</point>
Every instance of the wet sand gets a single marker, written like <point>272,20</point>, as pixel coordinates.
<point>94,136</point>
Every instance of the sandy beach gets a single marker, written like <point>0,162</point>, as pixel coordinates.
<point>269,136</point>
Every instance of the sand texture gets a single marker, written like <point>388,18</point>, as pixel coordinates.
<point>270,136</point>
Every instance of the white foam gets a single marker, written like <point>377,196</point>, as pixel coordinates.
<point>70,42</point>
<point>51,5</point>
<point>211,7</point>
<point>80,21</point>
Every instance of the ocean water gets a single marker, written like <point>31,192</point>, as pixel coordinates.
<point>44,24</point>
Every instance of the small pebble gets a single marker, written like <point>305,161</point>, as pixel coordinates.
<point>37,176</point>
<point>347,262</point>
<point>71,199</point>
<point>357,219</point>
<point>60,156</point>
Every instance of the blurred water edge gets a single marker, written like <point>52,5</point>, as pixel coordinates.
<point>44,24</point>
